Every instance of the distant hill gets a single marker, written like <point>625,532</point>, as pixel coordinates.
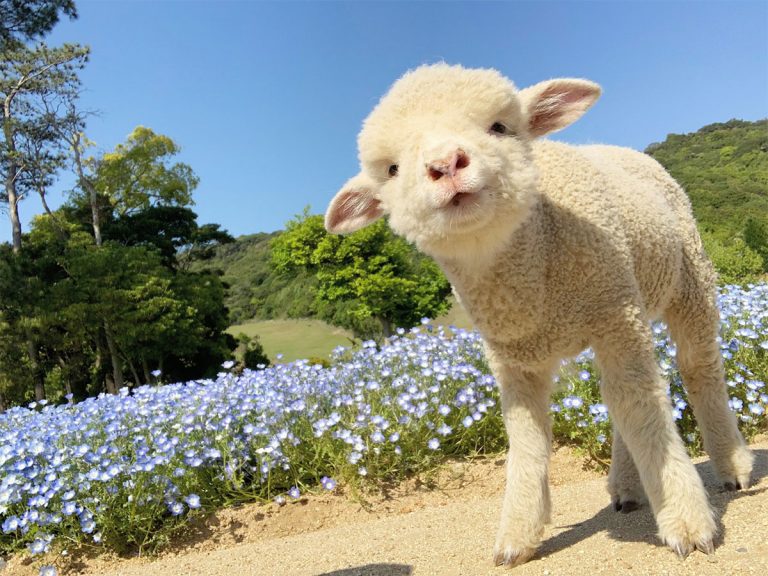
<point>724,169</point>
<point>255,290</point>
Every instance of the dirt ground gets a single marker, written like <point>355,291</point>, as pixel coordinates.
<point>446,528</point>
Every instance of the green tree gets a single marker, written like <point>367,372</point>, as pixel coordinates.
<point>369,275</point>
<point>140,174</point>
<point>24,20</point>
<point>29,76</point>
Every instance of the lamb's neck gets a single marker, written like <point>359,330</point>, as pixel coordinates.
<point>505,292</point>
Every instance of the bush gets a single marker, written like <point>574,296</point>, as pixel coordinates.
<point>736,263</point>
<point>251,352</point>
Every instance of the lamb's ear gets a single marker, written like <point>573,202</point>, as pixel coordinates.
<point>354,206</point>
<point>554,104</point>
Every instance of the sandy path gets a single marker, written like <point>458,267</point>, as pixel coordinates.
<point>453,534</point>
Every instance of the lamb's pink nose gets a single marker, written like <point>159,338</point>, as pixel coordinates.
<point>448,166</point>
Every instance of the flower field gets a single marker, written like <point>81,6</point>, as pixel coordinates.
<point>126,471</point>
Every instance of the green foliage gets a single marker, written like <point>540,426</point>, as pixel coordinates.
<point>251,352</point>
<point>256,290</point>
<point>22,20</point>
<point>130,300</point>
<point>139,174</point>
<point>724,169</point>
<point>367,277</point>
<point>756,238</point>
<point>735,262</point>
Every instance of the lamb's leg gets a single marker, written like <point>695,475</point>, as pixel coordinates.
<point>693,323</point>
<point>526,506</point>
<point>635,394</point>
<point>624,484</point>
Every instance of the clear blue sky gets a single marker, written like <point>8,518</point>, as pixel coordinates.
<point>266,98</point>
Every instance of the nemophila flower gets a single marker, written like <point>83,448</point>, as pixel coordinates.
<point>756,409</point>
<point>228,364</point>
<point>40,544</point>
<point>10,524</point>
<point>48,571</point>
<point>257,431</point>
<point>328,483</point>
<point>193,501</point>
<point>176,508</point>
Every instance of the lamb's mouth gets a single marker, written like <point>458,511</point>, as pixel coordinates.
<point>459,197</point>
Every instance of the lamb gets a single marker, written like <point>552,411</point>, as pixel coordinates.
<point>552,248</point>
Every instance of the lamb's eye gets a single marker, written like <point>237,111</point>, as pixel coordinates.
<point>499,128</point>
<point>393,170</point>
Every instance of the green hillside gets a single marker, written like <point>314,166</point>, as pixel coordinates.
<point>255,290</point>
<point>724,169</point>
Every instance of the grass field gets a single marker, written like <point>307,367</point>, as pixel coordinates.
<point>295,339</point>
<point>306,338</point>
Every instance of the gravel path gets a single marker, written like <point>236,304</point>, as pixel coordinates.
<point>455,538</point>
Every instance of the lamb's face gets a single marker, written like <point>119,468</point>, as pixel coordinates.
<point>450,155</point>
<point>446,155</point>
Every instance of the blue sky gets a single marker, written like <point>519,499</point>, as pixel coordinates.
<point>266,98</point>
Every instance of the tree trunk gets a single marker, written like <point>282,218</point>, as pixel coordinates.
<point>136,379</point>
<point>386,327</point>
<point>88,186</point>
<point>145,368</point>
<point>116,382</point>
<point>11,175</point>
<point>34,360</point>
<point>65,374</point>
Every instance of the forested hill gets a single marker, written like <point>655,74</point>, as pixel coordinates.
<point>724,169</point>
<point>255,290</point>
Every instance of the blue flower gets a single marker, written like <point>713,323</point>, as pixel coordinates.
<point>328,483</point>
<point>176,508</point>
<point>193,501</point>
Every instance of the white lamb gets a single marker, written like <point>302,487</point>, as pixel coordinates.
<point>552,248</point>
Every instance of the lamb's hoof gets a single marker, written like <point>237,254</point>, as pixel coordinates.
<point>737,475</point>
<point>626,506</point>
<point>683,549</point>
<point>510,556</point>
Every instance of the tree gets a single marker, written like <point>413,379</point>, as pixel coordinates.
<point>369,275</point>
<point>29,137</point>
<point>23,20</point>
<point>139,174</point>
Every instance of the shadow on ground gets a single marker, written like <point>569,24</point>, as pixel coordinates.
<point>639,526</point>
<point>373,570</point>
